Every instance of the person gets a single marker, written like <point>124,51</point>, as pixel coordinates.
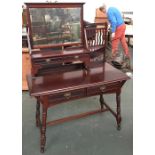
<point>118,28</point>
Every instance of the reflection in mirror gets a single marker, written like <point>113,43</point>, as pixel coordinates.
<point>53,26</point>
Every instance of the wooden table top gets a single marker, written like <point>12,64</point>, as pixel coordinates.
<point>72,80</point>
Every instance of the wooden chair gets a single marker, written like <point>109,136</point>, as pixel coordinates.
<point>96,38</point>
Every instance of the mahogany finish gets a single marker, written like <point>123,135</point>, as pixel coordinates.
<point>43,58</point>
<point>96,38</point>
<point>61,53</point>
<point>54,5</point>
<point>61,62</point>
<point>53,89</point>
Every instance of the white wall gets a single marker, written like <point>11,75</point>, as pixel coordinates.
<point>91,5</point>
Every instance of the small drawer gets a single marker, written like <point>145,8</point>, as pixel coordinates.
<point>103,88</point>
<point>68,95</point>
<point>54,60</point>
<point>82,57</point>
<point>58,60</point>
<point>48,60</point>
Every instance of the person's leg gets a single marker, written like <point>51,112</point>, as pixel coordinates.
<point>118,34</point>
<point>123,41</point>
<point>115,42</point>
<point>126,61</point>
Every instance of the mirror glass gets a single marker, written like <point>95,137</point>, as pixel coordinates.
<point>55,26</point>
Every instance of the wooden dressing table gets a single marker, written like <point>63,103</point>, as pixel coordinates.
<point>53,89</point>
<point>57,41</point>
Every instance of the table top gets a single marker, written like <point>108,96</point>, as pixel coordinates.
<point>72,80</point>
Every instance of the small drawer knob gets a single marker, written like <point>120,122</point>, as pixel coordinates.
<point>76,57</point>
<point>48,60</point>
<point>67,95</point>
<point>102,88</point>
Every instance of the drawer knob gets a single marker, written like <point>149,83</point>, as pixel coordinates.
<point>67,95</point>
<point>47,60</point>
<point>102,88</point>
<point>76,57</point>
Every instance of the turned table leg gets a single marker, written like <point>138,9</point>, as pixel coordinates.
<point>38,113</point>
<point>118,116</point>
<point>102,102</point>
<point>43,129</point>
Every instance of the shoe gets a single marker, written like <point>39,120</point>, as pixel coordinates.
<point>126,63</point>
<point>116,64</point>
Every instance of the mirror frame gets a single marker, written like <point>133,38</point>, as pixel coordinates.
<point>54,5</point>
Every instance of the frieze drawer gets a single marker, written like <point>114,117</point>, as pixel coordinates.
<point>68,95</point>
<point>103,88</point>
